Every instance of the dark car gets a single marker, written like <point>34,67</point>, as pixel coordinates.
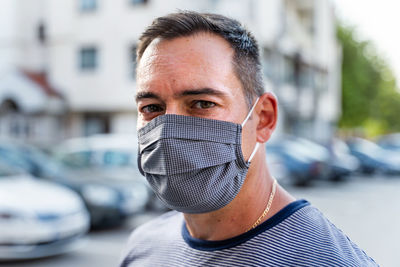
<point>374,158</point>
<point>111,195</point>
<point>304,160</point>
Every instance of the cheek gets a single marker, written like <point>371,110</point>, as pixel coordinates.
<point>140,122</point>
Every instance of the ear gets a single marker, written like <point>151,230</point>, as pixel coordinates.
<point>267,111</point>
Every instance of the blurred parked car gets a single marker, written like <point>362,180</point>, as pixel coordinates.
<point>37,218</point>
<point>111,195</point>
<point>343,164</point>
<point>390,141</point>
<point>277,166</point>
<point>110,155</point>
<point>374,158</point>
<point>304,160</point>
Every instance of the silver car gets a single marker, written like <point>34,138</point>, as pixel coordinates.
<point>38,218</point>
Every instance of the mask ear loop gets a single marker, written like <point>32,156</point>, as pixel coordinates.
<point>244,122</point>
<point>250,112</point>
<point>254,151</point>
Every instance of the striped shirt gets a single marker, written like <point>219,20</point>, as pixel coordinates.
<point>298,235</point>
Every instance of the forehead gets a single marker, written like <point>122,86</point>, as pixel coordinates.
<point>202,59</point>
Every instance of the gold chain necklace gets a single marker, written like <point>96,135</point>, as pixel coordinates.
<point>271,198</point>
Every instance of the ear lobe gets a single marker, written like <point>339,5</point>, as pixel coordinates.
<point>267,112</point>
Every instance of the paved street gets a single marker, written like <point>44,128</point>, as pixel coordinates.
<point>367,209</point>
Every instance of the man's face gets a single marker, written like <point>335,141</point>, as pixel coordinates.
<point>190,76</point>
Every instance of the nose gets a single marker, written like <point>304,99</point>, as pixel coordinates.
<point>175,108</point>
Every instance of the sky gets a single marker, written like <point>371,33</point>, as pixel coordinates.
<point>378,21</point>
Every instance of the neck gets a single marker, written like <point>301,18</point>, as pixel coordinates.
<point>239,215</point>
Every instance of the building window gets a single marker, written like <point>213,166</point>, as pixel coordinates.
<point>18,125</point>
<point>88,58</point>
<point>132,61</point>
<point>87,5</point>
<point>306,77</point>
<point>96,124</point>
<point>41,33</point>
<point>320,80</point>
<point>139,2</point>
<point>289,71</point>
<point>268,66</point>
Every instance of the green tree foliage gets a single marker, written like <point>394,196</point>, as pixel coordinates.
<point>370,99</point>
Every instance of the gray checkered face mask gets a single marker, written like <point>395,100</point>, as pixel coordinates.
<point>194,165</point>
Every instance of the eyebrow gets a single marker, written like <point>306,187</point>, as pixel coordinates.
<point>145,95</point>
<point>202,91</point>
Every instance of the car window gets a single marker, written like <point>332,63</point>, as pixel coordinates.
<point>310,147</point>
<point>291,148</point>
<point>117,158</point>
<point>48,166</point>
<point>390,142</point>
<point>298,149</point>
<point>81,159</point>
<point>368,147</point>
<point>12,157</point>
<point>340,147</point>
<point>100,158</point>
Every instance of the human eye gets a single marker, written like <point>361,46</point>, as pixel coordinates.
<point>152,108</point>
<point>203,104</point>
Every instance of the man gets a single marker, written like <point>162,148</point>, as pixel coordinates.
<point>202,113</point>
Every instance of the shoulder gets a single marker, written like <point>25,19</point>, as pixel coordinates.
<point>164,225</point>
<point>154,234</point>
<point>307,233</point>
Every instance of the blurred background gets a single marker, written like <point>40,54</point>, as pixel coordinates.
<point>70,191</point>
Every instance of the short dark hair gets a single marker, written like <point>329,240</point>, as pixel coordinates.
<point>246,58</point>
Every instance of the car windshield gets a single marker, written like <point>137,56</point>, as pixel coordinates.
<point>81,159</point>
<point>340,147</point>
<point>368,147</point>
<point>49,166</point>
<point>119,158</point>
<point>291,148</point>
<point>11,156</point>
<point>306,148</point>
<point>392,140</point>
<point>30,159</point>
<point>95,159</point>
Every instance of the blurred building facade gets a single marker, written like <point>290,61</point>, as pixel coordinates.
<point>84,53</point>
